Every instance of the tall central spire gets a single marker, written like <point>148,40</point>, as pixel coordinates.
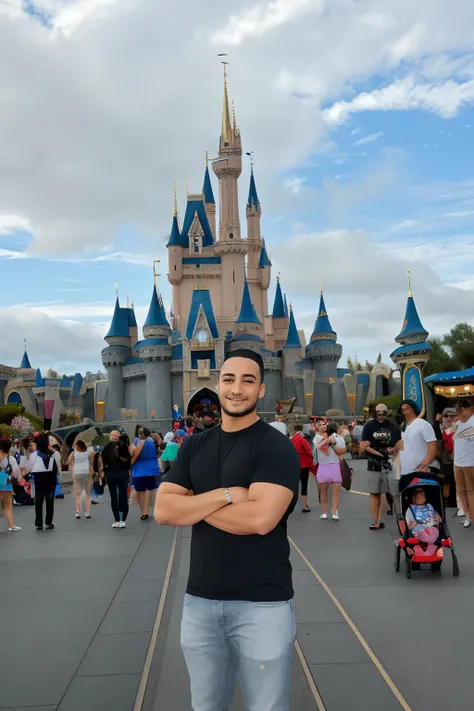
<point>226,122</point>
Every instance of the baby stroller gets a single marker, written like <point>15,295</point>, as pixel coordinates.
<point>434,495</point>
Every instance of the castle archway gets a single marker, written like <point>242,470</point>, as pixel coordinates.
<point>204,397</point>
<point>14,398</point>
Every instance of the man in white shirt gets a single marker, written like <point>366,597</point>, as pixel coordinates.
<point>464,458</point>
<point>280,425</point>
<point>420,445</point>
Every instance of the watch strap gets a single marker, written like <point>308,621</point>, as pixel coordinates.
<point>228,495</point>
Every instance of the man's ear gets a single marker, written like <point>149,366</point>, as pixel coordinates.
<point>262,390</point>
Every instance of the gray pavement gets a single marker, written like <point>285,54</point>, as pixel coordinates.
<point>79,604</point>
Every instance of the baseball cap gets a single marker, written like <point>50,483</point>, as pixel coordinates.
<point>463,404</point>
<point>180,433</point>
<point>448,411</point>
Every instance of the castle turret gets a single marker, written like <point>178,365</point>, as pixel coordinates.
<point>323,348</point>
<point>292,348</point>
<point>155,351</point>
<point>209,201</point>
<point>254,243</point>
<point>118,351</point>
<point>248,327</point>
<point>25,362</point>
<point>265,268</point>
<point>231,248</point>
<point>280,319</point>
<point>132,325</point>
<point>412,354</point>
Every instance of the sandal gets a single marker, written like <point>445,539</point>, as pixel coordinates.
<point>377,526</point>
<point>145,517</point>
<point>306,510</point>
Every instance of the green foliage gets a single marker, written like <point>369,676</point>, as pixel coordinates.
<point>379,358</point>
<point>8,412</point>
<point>350,364</point>
<point>440,360</point>
<point>460,342</point>
<point>5,431</point>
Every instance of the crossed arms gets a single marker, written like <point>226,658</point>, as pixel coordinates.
<point>256,510</point>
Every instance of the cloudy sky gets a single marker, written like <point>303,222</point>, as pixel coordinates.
<point>360,114</point>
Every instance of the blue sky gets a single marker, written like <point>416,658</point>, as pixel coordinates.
<point>363,159</point>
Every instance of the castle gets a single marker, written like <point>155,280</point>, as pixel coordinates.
<point>220,282</point>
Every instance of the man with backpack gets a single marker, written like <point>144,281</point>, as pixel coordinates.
<point>43,465</point>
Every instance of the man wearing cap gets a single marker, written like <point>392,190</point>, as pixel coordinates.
<point>448,428</point>
<point>378,480</point>
<point>236,485</point>
<point>464,458</point>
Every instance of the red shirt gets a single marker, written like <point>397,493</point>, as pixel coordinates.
<point>448,441</point>
<point>304,451</point>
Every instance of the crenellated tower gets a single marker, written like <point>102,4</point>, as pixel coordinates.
<point>114,357</point>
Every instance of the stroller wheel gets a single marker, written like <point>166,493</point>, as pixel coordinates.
<point>436,567</point>
<point>396,560</point>
<point>408,568</point>
<point>455,566</point>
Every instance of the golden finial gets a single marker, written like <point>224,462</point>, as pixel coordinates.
<point>175,202</point>
<point>187,188</point>
<point>234,121</point>
<point>155,274</point>
<point>207,159</point>
<point>226,124</point>
<point>291,307</point>
<point>116,287</point>
<point>409,282</point>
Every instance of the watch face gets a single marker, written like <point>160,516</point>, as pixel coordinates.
<point>201,335</point>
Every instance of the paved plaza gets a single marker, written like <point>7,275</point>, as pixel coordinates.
<point>83,627</point>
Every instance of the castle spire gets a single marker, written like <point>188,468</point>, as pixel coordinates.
<point>413,330</point>
<point>175,234</point>
<point>247,310</point>
<point>253,201</point>
<point>293,339</point>
<point>226,123</point>
<point>207,186</point>
<point>25,361</point>
<point>156,312</point>
<point>323,330</point>
<point>278,304</point>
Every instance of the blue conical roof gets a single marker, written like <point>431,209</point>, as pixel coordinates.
<point>119,326</point>
<point>132,320</point>
<point>253,200</point>
<point>247,310</point>
<point>322,327</point>
<point>293,339</point>
<point>207,189</point>
<point>25,361</point>
<point>39,379</point>
<point>264,260</point>
<point>156,313</point>
<point>286,305</point>
<point>412,325</point>
<point>278,304</point>
<point>175,234</point>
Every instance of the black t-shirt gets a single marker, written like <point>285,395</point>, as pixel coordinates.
<point>225,566</point>
<point>373,426</point>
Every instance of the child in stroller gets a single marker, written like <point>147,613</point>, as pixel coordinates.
<point>423,521</point>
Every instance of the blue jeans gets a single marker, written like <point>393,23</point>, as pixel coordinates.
<point>221,639</point>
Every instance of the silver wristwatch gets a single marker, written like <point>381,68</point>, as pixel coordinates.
<point>228,496</point>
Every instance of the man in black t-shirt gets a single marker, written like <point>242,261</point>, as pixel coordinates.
<point>380,438</point>
<point>236,485</point>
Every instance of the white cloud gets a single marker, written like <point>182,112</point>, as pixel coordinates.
<point>71,16</point>
<point>460,213</point>
<point>405,225</point>
<point>9,224</point>
<point>406,94</point>
<point>295,183</point>
<point>368,139</point>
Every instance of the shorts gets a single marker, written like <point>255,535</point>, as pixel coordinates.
<point>329,473</point>
<point>464,477</point>
<point>378,482</point>
<point>82,482</point>
<point>144,483</point>
<point>6,487</point>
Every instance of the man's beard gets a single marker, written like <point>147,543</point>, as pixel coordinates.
<point>243,413</point>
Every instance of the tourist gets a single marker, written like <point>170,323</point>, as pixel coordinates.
<point>116,463</point>
<point>380,439</point>
<point>189,425</point>
<point>357,431</point>
<point>43,465</point>
<point>144,469</point>
<point>306,462</point>
<point>420,446</point>
<point>448,428</point>
<point>9,472</point>
<point>464,458</point>
<point>237,615</point>
<point>79,463</point>
<point>170,452</point>
<point>280,425</point>
<point>329,447</point>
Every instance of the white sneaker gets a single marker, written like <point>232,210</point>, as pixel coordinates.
<point>14,529</point>
<point>78,515</point>
<point>335,517</point>
<point>87,515</point>
<point>466,523</point>
<point>460,513</point>
<point>122,524</point>
<point>116,524</point>
<point>324,517</point>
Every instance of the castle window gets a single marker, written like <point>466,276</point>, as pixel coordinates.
<point>231,235</point>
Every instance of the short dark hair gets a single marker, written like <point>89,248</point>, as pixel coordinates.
<point>463,404</point>
<point>251,355</point>
<point>333,428</point>
<point>81,446</point>
<point>298,428</point>
<point>5,445</point>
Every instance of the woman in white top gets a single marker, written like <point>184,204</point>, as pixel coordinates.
<point>329,449</point>
<point>9,470</point>
<point>80,464</point>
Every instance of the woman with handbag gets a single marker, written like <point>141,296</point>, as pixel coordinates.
<point>80,464</point>
<point>9,471</point>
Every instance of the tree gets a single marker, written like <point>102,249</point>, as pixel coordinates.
<point>350,364</point>
<point>440,360</point>
<point>460,342</point>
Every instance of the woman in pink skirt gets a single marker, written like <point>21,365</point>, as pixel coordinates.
<point>329,471</point>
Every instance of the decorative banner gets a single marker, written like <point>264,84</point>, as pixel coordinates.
<point>99,412</point>
<point>351,398</point>
<point>413,386</point>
